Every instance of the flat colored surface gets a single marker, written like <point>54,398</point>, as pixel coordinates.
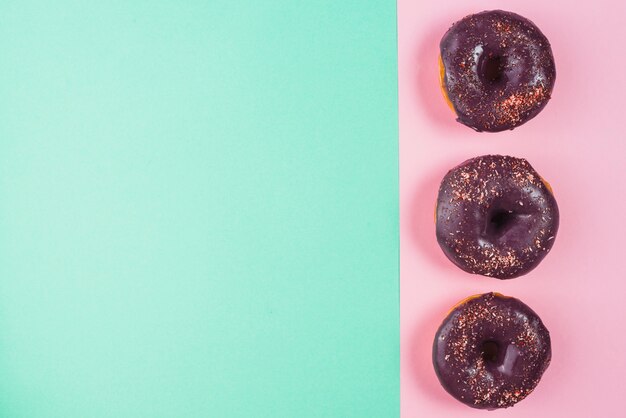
<point>198,209</point>
<point>578,144</point>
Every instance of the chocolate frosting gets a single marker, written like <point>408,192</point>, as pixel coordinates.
<point>499,70</point>
<point>496,216</point>
<point>491,351</point>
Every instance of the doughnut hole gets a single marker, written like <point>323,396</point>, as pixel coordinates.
<point>490,352</point>
<point>507,223</point>
<point>499,221</point>
<point>491,70</point>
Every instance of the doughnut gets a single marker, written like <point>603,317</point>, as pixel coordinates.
<point>496,70</point>
<point>496,216</point>
<point>491,351</point>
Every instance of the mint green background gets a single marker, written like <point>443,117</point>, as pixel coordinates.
<point>198,209</point>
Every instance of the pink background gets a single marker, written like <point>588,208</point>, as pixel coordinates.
<point>577,144</point>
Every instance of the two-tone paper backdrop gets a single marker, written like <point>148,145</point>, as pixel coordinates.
<point>201,213</point>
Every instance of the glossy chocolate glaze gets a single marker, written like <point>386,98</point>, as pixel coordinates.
<point>496,216</point>
<point>491,351</point>
<point>499,70</point>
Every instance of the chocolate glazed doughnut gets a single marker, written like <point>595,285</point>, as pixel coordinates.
<point>496,216</point>
<point>497,70</point>
<point>491,351</point>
